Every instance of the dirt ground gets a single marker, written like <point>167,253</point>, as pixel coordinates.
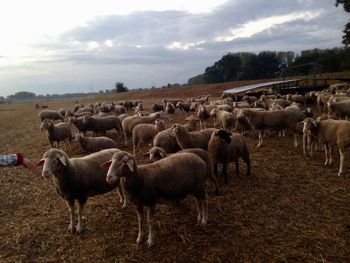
<point>292,209</point>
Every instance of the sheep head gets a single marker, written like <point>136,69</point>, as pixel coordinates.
<point>223,135</point>
<point>54,161</point>
<point>123,164</point>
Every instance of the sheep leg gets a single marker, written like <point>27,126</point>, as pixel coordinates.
<point>150,213</point>
<point>295,139</point>
<point>126,141</point>
<point>204,203</point>
<point>330,154</point>
<point>125,196</point>
<point>305,144</point>
<point>70,204</point>
<point>341,157</point>
<point>200,210</point>
<point>326,153</point>
<point>247,161</point>
<point>260,139</point>
<point>80,216</point>
<point>139,218</point>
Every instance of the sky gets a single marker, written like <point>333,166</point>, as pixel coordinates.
<point>67,46</point>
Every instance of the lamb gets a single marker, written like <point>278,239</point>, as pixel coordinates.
<point>171,178</point>
<point>225,147</point>
<point>144,133</point>
<point>50,115</point>
<point>226,120</point>
<point>330,132</point>
<point>169,144</point>
<point>77,178</point>
<point>197,139</point>
<point>130,122</point>
<point>95,144</point>
<point>157,153</point>
<point>102,124</point>
<point>279,119</point>
<point>57,132</point>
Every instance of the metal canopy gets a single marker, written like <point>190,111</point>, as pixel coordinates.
<point>260,85</point>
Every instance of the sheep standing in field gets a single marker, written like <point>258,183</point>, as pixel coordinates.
<point>130,122</point>
<point>50,115</point>
<point>184,107</point>
<point>341,109</point>
<point>139,107</point>
<point>225,147</point>
<point>57,132</point>
<point>197,139</point>
<point>330,132</point>
<point>203,116</point>
<point>95,144</point>
<point>224,119</point>
<point>100,125</point>
<point>157,153</point>
<point>79,123</point>
<point>144,133</point>
<point>77,178</point>
<point>171,178</point>
<point>278,120</point>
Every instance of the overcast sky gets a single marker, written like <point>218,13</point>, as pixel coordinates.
<point>65,46</point>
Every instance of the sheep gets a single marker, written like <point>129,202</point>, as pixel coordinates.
<point>226,120</point>
<point>121,117</point>
<point>185,107</point>
<point>201,99</point>
<point>170,108</point>
<point>102,124</point>
<point>50,115</point>
<point>57,132</point>
<point>169,144</point>
<point>62,111</point>
<point>173,101</point>
<point>172,178</point>
<point>77,178</point>
<point>81,126</point>
<point>144,133</point>
<point>330,132</point>
<point>322,100</point>
<point>296,98</point>
<point>95,144</point>
<point>197,139</point>
<point>85,109</point>
<point>279,119</point>
<point>139,107</point>
<point>341,109</point>
<point>241,104</point>
<point>119,109</point>
<point>157,153</point>
<point>225,147</point>
<point>157,107</point>
<point>250,99</point>
<point>203,116</point>
<point>129,123</point>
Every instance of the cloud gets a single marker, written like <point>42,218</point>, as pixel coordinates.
<point>147,48</point>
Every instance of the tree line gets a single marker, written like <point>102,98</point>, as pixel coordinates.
<point>272,64</point>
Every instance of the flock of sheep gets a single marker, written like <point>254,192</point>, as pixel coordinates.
<point>182,159</point>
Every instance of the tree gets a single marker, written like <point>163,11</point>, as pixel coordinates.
<point>120,87</point>
<point>346,6</point>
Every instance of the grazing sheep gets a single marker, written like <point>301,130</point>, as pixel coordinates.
<point>57,132</point>
<point>225,147</point>
<point>224,119</point>
<point>77,178</point>
<point>279,120</point>
<point>172,178</point>
<point>157,153</point>
<point>102,124</point>
<point>95,144</point>
<point>130,122</point>
<point>196,139</point>
<point>50,115</point>
<point>330,132</point>
<point>144,133</point>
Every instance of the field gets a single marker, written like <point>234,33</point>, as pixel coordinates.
<point>292,209</point>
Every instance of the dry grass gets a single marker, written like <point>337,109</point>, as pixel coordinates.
<point>291,209</point>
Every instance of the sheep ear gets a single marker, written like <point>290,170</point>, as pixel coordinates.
<point>40,162</point>
<point>62,160</point>
<point>106,165</point>
<point>130,164</point>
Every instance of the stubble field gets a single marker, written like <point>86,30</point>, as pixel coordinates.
<point>292,209</point>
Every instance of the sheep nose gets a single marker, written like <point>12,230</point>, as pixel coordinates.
<point>109,178</point>
<point>45,174</point>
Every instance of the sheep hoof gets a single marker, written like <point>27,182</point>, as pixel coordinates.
<point>70,228</point>
<point>204,223</point>
<point>139,239</point>
<point>150,242</point>
<point>79,229</point>
<point>340,174</point>
<point>325,164</point>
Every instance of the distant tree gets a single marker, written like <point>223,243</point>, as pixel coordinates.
<point>120,87</point>
<point>22,95</point>
<point>346,31</point>
<point>199,79</point>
